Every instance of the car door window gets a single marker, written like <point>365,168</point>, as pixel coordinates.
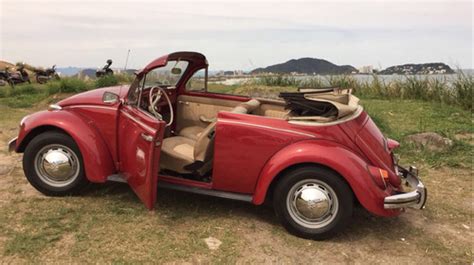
<point>197,82</point>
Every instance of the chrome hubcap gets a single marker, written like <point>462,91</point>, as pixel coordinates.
<point>312,203</point>
<point>57,165</point>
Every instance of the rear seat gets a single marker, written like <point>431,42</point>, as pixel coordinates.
<point>193,132</point>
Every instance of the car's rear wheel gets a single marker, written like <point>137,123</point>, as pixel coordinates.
<point>53,164</point>
<point>313,202</point>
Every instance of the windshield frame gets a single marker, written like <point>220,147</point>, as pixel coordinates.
<point>140,82</point>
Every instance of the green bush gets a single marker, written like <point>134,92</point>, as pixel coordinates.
<point>124,78</point>
<point>462,90</point>
<point>67,85</point>
<point>3,92</point>
<point>107,80</point>
<point>53,87</point>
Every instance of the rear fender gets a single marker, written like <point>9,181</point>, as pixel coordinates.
<point>334,156</point>
<point>98,162</point>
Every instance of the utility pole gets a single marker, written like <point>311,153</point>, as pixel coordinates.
<point>126,60</point>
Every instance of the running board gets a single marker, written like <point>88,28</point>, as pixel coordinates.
<point>215,193</point>
<point>197,190</point>
<point>116,178</point>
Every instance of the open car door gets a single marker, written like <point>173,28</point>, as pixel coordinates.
<point>139,147</point>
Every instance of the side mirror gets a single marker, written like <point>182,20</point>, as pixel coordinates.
<point>176,71</point>
<point>110,98</point>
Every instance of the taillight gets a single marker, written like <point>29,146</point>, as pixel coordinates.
<point>380,176</point>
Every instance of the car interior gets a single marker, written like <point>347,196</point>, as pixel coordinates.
<point>188,145</point>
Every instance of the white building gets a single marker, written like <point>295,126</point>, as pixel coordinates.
<point>367,69</point>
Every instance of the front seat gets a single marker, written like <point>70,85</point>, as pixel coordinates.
<point>185,155</point>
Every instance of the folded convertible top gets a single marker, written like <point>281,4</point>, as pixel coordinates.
<point>326,104</point>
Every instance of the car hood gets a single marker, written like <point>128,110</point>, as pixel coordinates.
<point>93,97</point>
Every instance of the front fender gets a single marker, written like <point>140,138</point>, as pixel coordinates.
<point>98,161</point>
<point>332,155</point>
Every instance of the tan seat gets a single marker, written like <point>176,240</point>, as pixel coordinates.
<point>178,152</point>
<point>193,132</point>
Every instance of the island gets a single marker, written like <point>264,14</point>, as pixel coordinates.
<point>418,69</point>
<point>308,66</point>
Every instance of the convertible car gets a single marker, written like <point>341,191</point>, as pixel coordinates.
<point>313,154</point>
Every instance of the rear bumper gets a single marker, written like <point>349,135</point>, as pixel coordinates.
<point>413,199</point>
<point>12,145</point>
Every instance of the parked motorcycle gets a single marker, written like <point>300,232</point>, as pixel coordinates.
<point>4,78</point>
<point>13,78</point>
<point>105,70</point>
<point>43,76</point>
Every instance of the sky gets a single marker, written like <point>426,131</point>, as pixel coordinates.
<point>237,34</point>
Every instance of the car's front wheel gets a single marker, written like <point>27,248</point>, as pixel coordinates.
<point>53,164</point>
<point>313,202</point>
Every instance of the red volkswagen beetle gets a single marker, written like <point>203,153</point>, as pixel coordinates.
<point>313,154</point>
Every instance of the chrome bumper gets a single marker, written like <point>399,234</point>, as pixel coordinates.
<point>12,144</point>
<point>413,199</point>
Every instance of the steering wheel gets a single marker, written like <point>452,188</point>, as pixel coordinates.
<point>154,99</point>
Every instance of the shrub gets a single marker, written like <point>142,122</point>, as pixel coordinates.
<point>53,87</point>
<point>462,90</point>
<point>105,81</point>
<point>124,78</point>
<point>26,89</point>
<point>3,92</point>
<point>67,85</point>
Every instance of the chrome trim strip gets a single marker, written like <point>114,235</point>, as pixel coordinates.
<point>138,121</point>
<point>12,144</point>
<point>90,106</point>
<point>209,192</point>
<point>266,127</point>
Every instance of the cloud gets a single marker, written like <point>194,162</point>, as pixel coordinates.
<point>85,33</point>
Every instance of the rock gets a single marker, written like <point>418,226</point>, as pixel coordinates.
<point>430,140</point>
<point>212,243</point>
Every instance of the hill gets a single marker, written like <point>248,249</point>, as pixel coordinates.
<point>418,69</point>
<point>4,65</point>
<point>307,66</point>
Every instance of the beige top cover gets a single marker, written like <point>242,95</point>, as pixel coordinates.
<point>345,103</point>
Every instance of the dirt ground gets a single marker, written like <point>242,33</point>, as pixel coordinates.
<point>108,224</point>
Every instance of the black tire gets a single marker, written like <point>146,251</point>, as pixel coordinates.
<point>40,80</point>
<point>326,181</point>
<point>41,142</point>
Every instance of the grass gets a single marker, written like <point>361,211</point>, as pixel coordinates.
<point>400,118</point>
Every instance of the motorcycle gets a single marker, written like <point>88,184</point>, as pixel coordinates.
<point>21,76</point>
<point>105,70</point>
<point>3,78</point>
<point>43,76</point>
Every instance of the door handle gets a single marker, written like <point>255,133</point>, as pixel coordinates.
<point>147,137</point>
